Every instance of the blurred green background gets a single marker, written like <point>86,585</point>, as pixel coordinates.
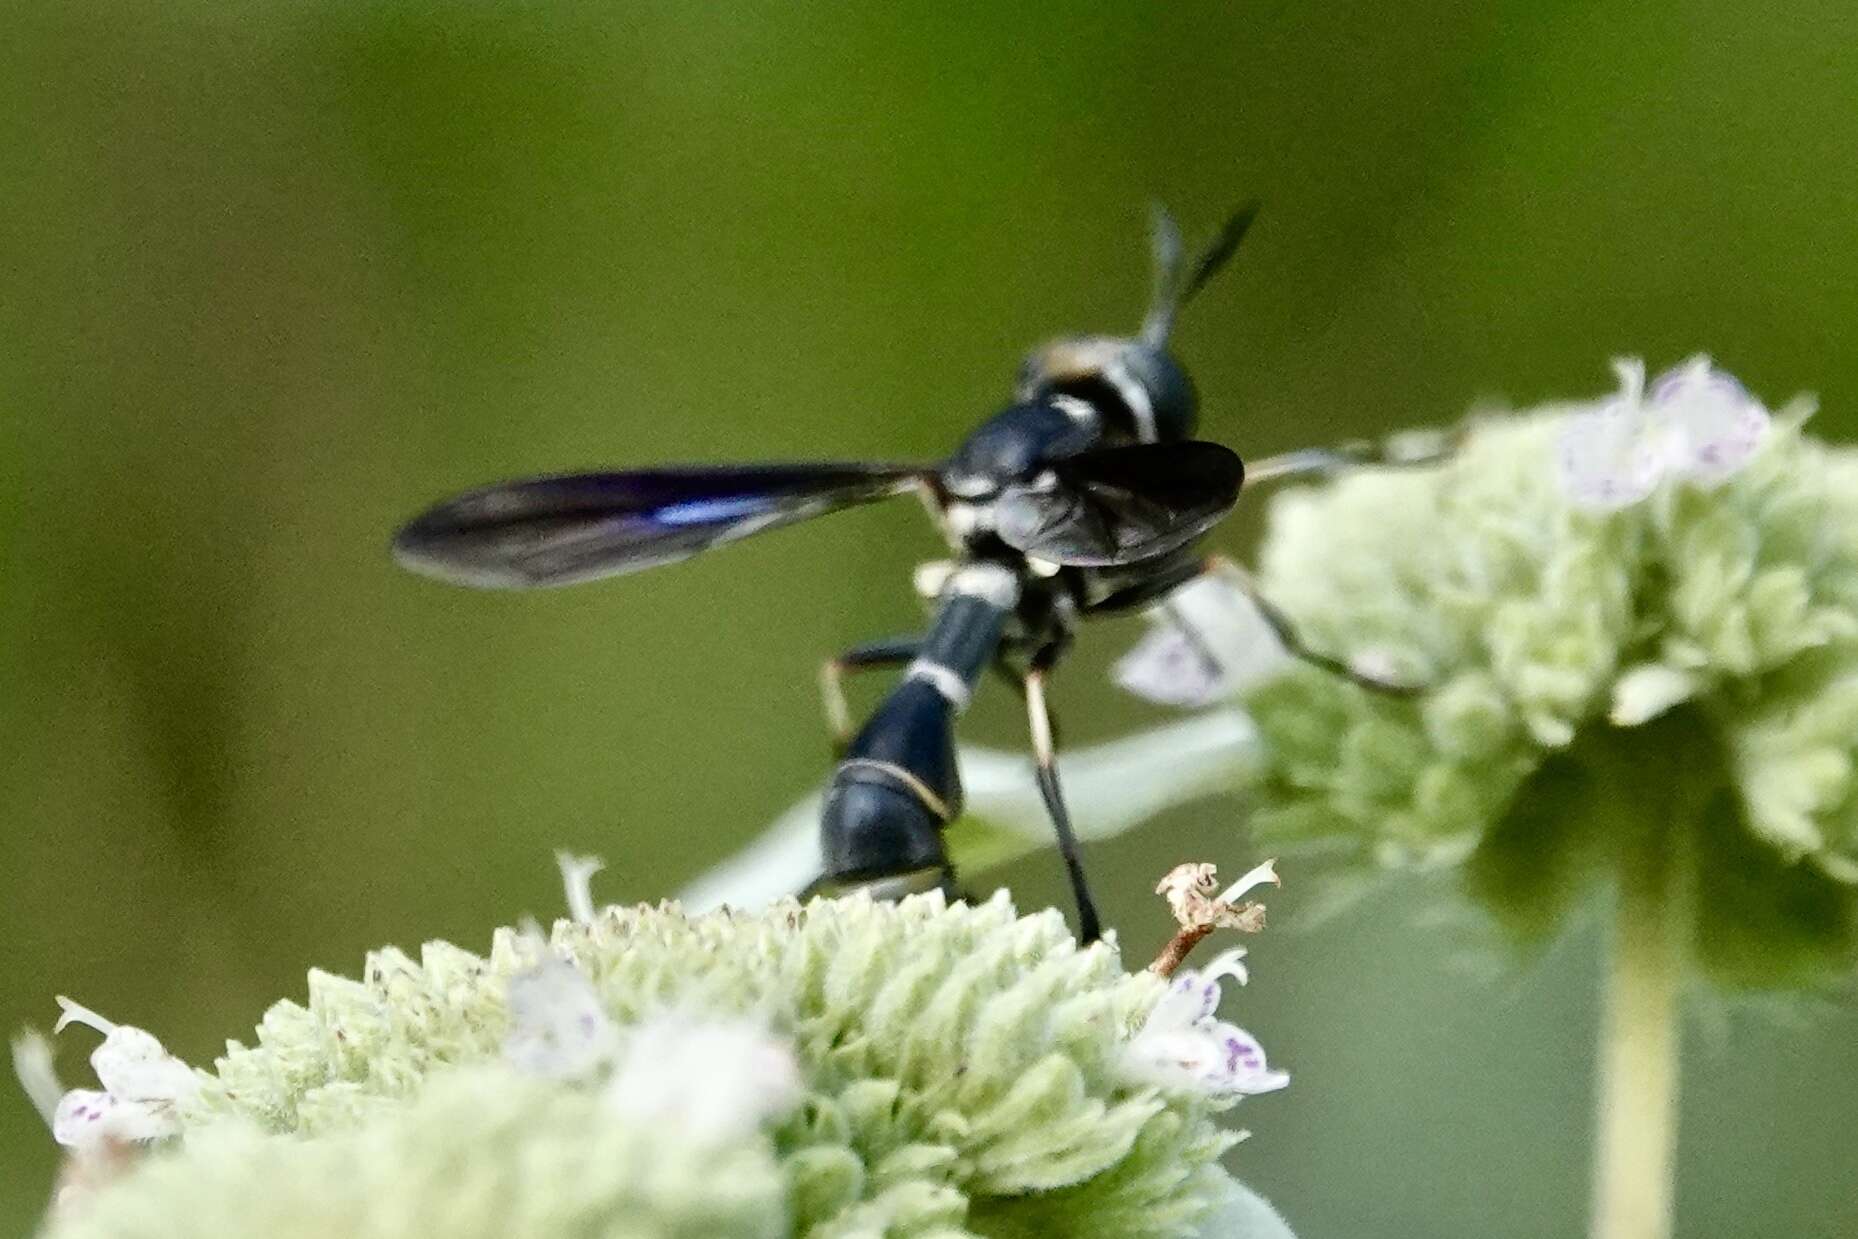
<point>276,274</point>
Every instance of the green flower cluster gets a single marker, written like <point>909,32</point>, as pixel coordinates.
<point>960,1071</point>
<point>1677,670</point>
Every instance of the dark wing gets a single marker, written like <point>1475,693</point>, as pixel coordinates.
<point>1120,505</point>
<point>579,526</point>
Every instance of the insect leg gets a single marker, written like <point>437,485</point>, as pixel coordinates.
<point>1045,751</point>
<point>893,652</point>
<point>1409,449</point>
<point>1285,629</point>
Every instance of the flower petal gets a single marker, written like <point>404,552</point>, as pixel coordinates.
<point>1168,668</point>
<point>577,883</point>
<point>85,1117</point>
<point>558,1029</point>
<point>133,1066</point>
<point>1190,998</point>
<point>1228,963</point>
<point>711,1080</point>
<point>1720,424</point>
<point>1610,457</point>
<point>1213,1057</point>
<point>1242,1068</point>
<point>1209,642</point>
<point>1254,877</point>
<point>77,1013</point>
<point>38,1078</point>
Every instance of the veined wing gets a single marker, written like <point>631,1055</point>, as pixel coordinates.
<point>580,526</point>
<point>1121,505</point>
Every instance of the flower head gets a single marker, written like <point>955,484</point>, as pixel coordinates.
<point>865,1068</point>
<point>1634,619</point>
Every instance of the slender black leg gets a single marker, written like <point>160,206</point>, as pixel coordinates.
<point>895,652</point>
<point>1045,750</point>
<point>1286,632</point>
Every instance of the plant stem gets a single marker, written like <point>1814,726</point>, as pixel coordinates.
<point>1633,1173</point>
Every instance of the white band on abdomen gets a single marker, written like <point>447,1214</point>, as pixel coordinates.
<point>945,680</point>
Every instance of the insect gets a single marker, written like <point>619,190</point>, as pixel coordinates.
<point>1085,495</point>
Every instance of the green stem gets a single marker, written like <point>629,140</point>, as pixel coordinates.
<point>1633,1175</point>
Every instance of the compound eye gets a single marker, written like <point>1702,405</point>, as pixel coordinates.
<point>1162,404</point>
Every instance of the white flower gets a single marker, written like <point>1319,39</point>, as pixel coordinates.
<point>1208,642</point>
<point>1252,878</point>
<point>558,1029</point>
<point>143,1086</point>
<point>711,1080</point>
<point>1697,424</point>
<point>1183,1045</point>
<point>577,873</point>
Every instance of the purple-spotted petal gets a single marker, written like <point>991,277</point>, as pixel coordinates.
<point>81,1116</point>
<point>1182,1045</point>
<point>85,1117</point>
<point>1242,1066</point>
<point>1719,424</point>
<point>1214,1058</point>
<point>1190,999</point>
<point>558,1028</point>
<point>1611,457</point>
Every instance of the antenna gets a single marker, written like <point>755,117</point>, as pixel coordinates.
<point>1171,291</point>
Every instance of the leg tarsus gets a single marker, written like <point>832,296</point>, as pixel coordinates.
<point>1045,752</point>
<point>1407,450</point>
<point>1285,629</point>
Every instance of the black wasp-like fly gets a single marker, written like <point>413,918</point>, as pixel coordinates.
<point>1084,496</point>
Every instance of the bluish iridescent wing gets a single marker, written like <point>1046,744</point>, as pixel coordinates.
<point>1120,505</point>
<point>580,526</point>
